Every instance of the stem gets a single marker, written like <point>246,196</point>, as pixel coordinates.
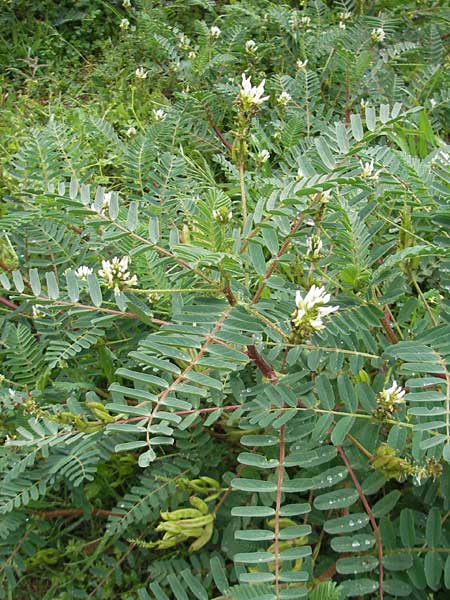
<point>174,291</point>
<point>242,187</point>
<point>284,246</point>
<point>372,520</point>
<point>8,303</point>
<point>276,546</point>
<point>73,512</point>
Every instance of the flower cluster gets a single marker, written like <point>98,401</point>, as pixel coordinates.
<point>82,272</point>
<point>364,103</point>
<point>368,170</point>
<point>250,46</point>
<point>141,73</point>
<point>159,114</point>
<point>314,247</point>
<point>115,273</point>
<point>105,203</point>
<point>378,34</point>
<point>251,96</point>
<point>215,32</point>
<point>263,156</point>
<point>184,42</point>
<point>284,98</point>
<point>301,64</point>
<point>222,215</point>
<point>124,24</point>
<point>388,401</point>
<point>345,16</point>
<point>126,3</point>
<point>309,312</point>
<point>305,21</point>
<point>37,311</point>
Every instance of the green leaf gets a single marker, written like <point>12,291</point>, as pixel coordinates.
<point>346,524</point>
<point>253,485</point>
<point>358,587</point>
<point>52,285</point>
<point>95,291</point>
<point>433,529</point>
<point>153,230</point>
<point>357,128</point>
<point>336,499</point>
<point>407,528</point>
<point>35,282</point>
<point>18,281</point>
<point>356,564</point>
<point>386,504</point>
<point>341,429</point>
<point>132,216</point>
<point>72,285</point>
<point>433,569</point>
<point>257,257</point>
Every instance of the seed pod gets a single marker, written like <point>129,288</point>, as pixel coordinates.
<point>211,482</point>
<point>199,522</point>
<point>181,513</point>
<point>199,504</point>
<point>203,539</point>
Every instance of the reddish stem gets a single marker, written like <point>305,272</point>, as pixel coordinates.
<point>284,246</point>
<point>372,520</point>
<point>219,134</point>
<point>261,363</point>
<point>8,303</point>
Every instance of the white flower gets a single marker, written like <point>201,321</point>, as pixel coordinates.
<point>368,170</point>
<point>364,103</point>
<point>82,272</point>
<point>222,215</point>
<point>192,54</point>
<point>378,34</point>
<point>215,32</point>
<point>301,64</point>
<point>394,394</point>
<point>342,25</point>
<point>37,312</point>
<point>310,310</point>
<point>284,98</point>
<point>185,42</point>
<point>252,95</point>
<point>115,273</point>
<point>126,3</point>
<point>131,131</point>
<point>105,203</point>
<point>159,114</point>
<point>263,156</point>
<point>314,246</point>
<point>250,46</point>
<point>140,73</point>
<point>326,195</point>
<point>433,102</point>
<point>124,24</point>
<point>345,16</point>
<point>305,21</point>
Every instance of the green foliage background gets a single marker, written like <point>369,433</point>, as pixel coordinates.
<point>118,408</point>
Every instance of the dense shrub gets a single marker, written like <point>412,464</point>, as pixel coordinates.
<point>224,303</point>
